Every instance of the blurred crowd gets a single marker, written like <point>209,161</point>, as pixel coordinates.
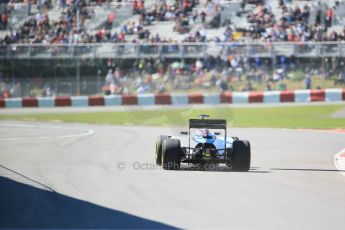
<point>67,29</point>
<point>217,74</point>
<point>212,73</point>
<point>292,25</point>
<point>287,23</point>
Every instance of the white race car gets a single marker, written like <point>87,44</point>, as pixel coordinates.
<point>206,145</point>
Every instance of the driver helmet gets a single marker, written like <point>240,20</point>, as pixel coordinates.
<point>205,133</point>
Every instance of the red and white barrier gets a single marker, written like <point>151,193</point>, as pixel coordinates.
<point>163,99</point>
<point>96,101</point>
<point>327,95</point>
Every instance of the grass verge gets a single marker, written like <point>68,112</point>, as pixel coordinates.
<point>314,116</point>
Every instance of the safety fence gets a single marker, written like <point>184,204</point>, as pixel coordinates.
<point>172,50</point>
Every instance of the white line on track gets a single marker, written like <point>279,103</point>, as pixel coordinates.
<point>339,161</point>
<point>86,132</point>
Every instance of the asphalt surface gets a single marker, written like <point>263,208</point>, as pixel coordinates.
<point>92,176</point>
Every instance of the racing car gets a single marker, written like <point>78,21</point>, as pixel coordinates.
<point>207,144</point>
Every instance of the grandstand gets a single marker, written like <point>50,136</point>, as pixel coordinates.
<point>89,47</point>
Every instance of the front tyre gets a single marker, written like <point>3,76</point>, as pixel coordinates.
<point>240,157</point>
<point>171,154</point>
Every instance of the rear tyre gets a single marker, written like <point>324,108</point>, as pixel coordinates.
<point>240,157</point>
<point>159,149</point>
<point>171,154</point>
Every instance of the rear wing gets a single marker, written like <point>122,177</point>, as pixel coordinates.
<point>207,123</point>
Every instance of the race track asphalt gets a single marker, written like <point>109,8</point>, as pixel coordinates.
<point>57,175</point>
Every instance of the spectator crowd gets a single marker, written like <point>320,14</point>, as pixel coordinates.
<point>288,23</point>
<point>292,25</point>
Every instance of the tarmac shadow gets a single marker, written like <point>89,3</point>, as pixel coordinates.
<point>25,206</point>
<point>307,169</point>
<point>218,168</point>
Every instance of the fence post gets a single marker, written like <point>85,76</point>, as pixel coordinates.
<point>78,77</point>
